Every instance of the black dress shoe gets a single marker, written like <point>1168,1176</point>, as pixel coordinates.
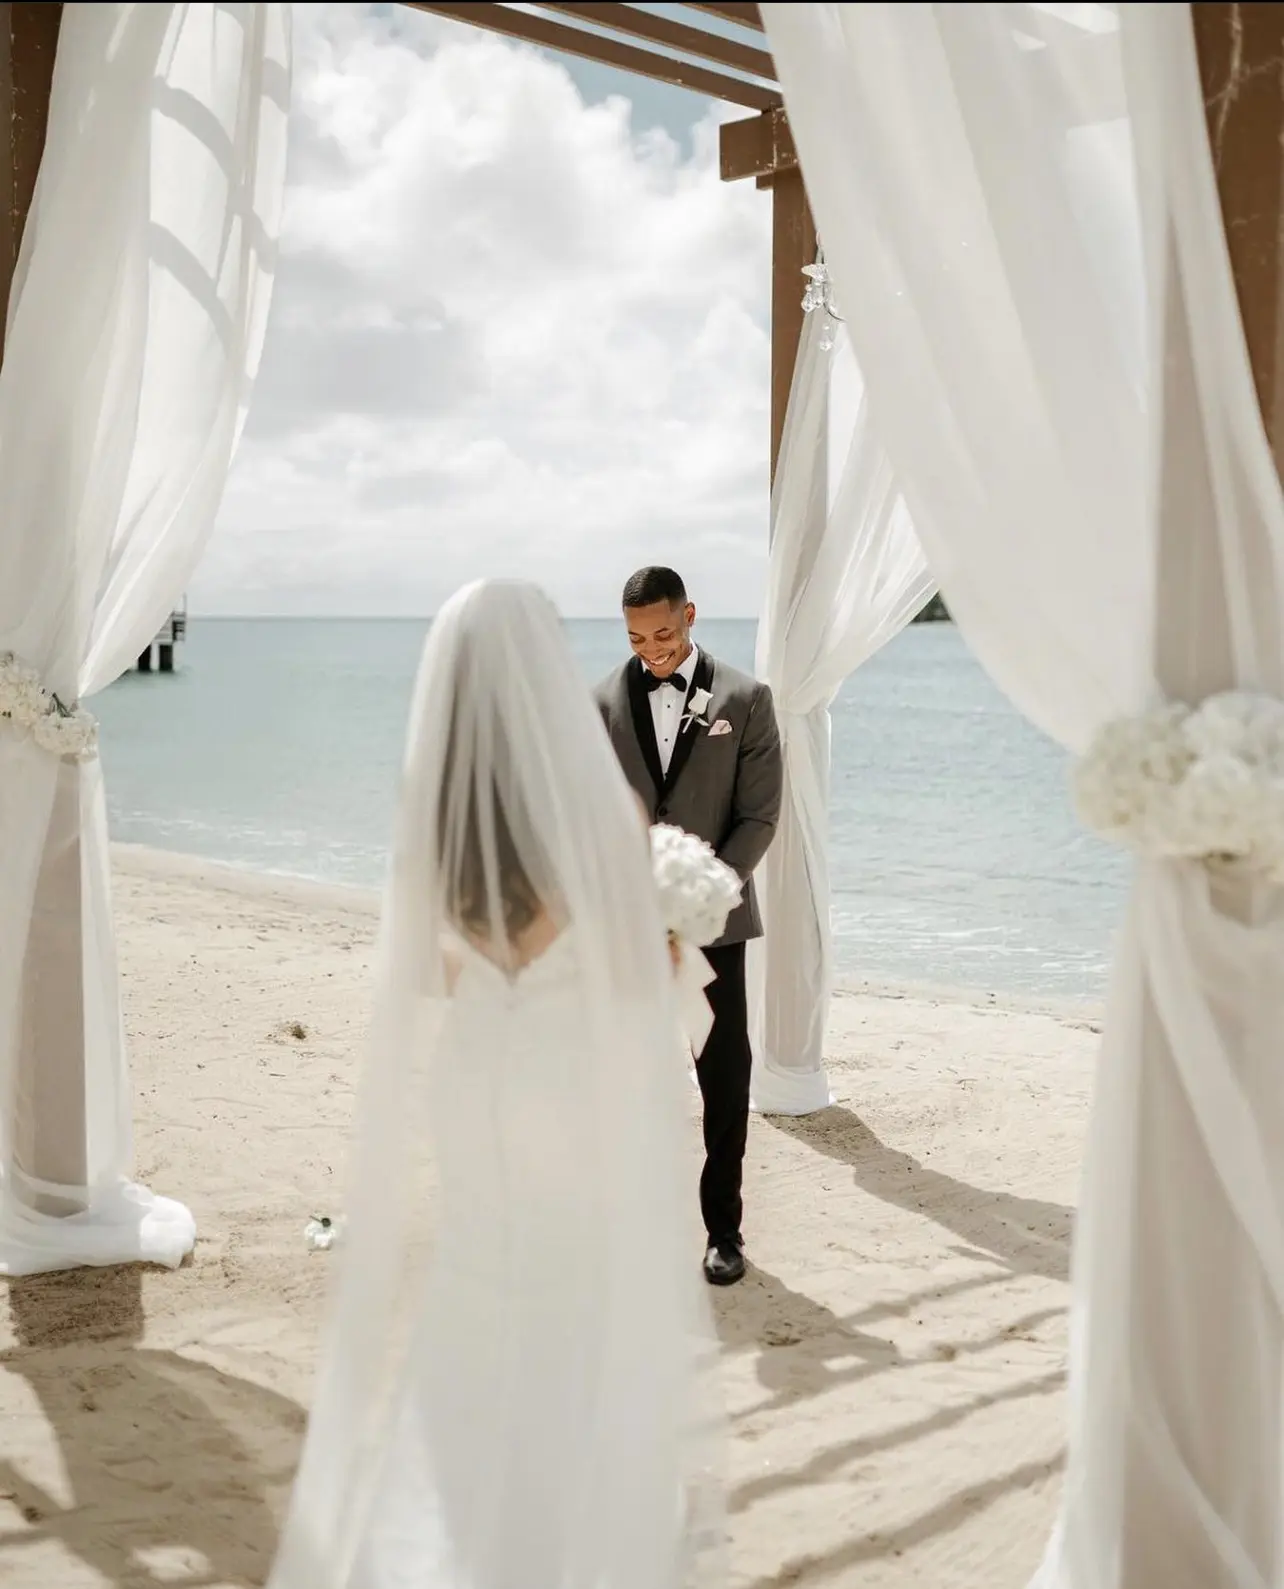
<point>724,1263</point>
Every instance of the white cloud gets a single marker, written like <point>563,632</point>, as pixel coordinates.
<point>510,336</point>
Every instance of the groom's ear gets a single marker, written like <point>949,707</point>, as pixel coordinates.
<point>689,614</point>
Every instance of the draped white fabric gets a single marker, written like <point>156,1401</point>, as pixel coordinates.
<point>1078,441</point>
<point>846,574</point>
<point>135,327</point>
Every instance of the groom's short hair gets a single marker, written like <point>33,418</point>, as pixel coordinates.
<point>650,586</point>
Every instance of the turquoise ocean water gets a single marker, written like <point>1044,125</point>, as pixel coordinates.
<point>956,859</point>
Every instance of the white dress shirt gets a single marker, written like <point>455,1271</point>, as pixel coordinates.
<point>667,706</point>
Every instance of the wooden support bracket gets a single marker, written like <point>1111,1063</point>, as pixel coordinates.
<point>757,146</point>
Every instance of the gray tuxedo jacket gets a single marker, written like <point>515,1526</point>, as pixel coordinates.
<point>724,787</point>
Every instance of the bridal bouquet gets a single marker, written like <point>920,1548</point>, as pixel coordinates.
<point>697,891</point>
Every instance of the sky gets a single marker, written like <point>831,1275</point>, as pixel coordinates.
<point>519,328</point>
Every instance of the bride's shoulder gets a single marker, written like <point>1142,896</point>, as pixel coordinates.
<point>460,959</point>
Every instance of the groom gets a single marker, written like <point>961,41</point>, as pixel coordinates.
<point>698,742</point>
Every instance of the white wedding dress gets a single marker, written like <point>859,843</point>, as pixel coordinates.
<point>522,1400</point>
<point>513,1404</point>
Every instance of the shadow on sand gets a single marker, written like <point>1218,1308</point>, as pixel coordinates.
<point>168,1463</point>
<point>802,1348</point>
<point>1025,1235</point>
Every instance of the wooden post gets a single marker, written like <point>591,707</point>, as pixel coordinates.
<point>48,1111</point>
<point>28,42</point>
<point>1238,48</point>
<point>1221,1392</point>
<point>763,147</point>
<point>793,246</point>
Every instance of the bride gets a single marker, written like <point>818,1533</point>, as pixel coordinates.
<point>514,1403</point>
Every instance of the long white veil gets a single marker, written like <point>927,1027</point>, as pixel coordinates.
<point>511,800</point>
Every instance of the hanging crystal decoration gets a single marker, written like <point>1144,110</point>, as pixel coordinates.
<point>818,291</point>
<point>819,294</point>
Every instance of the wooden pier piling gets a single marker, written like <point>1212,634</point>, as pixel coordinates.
<point>165,644</point>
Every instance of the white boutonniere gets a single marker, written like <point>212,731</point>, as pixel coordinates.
<point>697,705</point>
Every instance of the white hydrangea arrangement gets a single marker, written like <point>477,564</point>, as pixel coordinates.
<point>26,705</point>
<point>697,890</point>
<point>1199,783</point>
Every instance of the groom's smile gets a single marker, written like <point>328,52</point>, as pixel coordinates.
<point>660,635</point>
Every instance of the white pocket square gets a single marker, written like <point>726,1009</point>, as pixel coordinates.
<point>722,726</point>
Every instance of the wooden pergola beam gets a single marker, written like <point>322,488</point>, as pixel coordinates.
<point>748,16</point>
<point>539,30</point>
<point>676,36</point>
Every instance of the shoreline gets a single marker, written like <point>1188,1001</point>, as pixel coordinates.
<point>144,861</point>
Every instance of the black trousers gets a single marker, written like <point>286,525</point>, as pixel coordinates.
<point>723,1072</point>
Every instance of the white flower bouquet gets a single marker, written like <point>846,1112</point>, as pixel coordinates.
<point>697,890</point>
<point>1203,783</point>
<point>26,705</point>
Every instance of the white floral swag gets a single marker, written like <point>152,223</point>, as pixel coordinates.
<point>1198,783</point>
<point>27,706</point>
<point>697,890</point>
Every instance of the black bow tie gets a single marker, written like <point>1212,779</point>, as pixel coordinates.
<point>674,680</point>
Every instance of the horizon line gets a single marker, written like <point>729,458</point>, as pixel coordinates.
<point>403,617</point>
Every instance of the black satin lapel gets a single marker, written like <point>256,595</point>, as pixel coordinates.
<point>701,680</point>
<point>644,724</point>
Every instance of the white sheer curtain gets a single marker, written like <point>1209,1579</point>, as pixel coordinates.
<point>846,573</point>
<point>1078,442</point>
<point>135,327</point>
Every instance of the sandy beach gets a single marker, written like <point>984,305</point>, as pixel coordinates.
<point>893,1366</point>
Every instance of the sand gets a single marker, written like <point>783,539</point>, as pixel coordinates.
<point>894,1364</point>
